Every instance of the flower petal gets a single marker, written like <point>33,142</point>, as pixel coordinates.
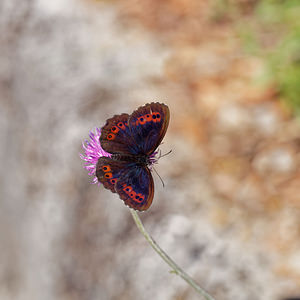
<point>92,152</point>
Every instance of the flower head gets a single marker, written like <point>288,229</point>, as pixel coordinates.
<point>92,152</point>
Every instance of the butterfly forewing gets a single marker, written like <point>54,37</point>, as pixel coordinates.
<point>135,187</point>
<point>148,125</point>
<point>116,137</point>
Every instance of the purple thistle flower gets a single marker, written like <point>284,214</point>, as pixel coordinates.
<point>93,151</point>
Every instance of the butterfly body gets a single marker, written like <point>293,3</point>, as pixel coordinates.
<point>142,160</point>
<point>132,140</point>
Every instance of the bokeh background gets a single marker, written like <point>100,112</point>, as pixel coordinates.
<point>229,70</point>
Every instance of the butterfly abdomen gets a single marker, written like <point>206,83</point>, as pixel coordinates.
<point>136,159</point>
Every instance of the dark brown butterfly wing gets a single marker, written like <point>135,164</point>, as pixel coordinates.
<point>133,183</point>
<point>148,125</point>
<point>136,188</point>
<point>116,136</point>
<point>108,171</point>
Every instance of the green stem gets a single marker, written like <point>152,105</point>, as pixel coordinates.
<point>176,269</point>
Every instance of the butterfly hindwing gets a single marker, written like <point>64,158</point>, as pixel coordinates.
<point>108,171</point>
<point>116,136</point>
<point>136,188</point>
<point>148,125</point>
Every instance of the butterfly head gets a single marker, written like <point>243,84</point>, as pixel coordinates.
<point>155,156</point>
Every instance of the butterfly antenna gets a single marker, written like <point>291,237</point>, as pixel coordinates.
<point>163,184</point>
<point>160,156</point>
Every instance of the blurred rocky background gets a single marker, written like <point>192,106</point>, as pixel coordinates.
<point>229,213</point>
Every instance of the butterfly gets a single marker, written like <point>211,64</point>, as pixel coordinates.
<point>132,141</point>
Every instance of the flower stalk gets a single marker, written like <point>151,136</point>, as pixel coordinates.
<point>175,268</point>
<point>92,152</point>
